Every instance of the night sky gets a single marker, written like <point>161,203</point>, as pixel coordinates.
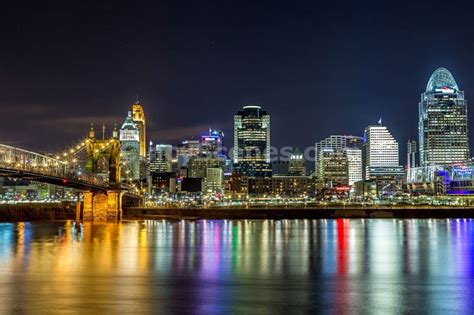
<point>318,68</point>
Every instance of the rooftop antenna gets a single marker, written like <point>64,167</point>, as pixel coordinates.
<point>103,131</point>
<point>138,100</point>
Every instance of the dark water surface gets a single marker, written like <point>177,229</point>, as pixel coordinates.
<point>325,266</point>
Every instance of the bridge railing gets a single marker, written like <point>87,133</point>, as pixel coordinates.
<point>23,160</point>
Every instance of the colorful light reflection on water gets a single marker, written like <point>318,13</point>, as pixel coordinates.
<point>224,266</point>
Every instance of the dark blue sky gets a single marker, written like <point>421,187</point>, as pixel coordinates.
<point>318,68</point>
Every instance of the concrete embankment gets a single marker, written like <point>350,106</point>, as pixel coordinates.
<point>37,212</point>
<point>298,213</point>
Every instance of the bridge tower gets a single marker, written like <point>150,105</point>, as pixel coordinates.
<point>103,160</point>
<point>103,157</point>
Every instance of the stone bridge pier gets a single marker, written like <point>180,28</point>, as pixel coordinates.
<point>102,205</point>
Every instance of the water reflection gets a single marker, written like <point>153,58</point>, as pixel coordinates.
<point>342,266</point>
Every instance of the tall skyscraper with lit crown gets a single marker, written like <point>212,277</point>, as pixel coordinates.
<point>130,151</point>
<point>138,117</point>
<point>442,127</point>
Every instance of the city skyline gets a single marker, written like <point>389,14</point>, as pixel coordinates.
<point>183,95</point>
<point>237,157</point>
<point>197,134</point>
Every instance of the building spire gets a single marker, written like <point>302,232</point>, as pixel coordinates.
<point>103,131</point>
<point>138,99</point>
<point>115,132</point>
<point>91,131</point>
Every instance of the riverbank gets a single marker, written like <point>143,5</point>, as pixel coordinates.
<point>299,213</point>
<point>37,212</point>
<point>66,211</point>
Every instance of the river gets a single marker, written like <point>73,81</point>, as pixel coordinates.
<point>373,266</point>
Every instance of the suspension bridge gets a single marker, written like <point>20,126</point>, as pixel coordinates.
<point>92,167</point>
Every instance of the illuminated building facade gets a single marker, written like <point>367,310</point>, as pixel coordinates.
<point>411,154</point>
<point>130,149</point>
<point>161,158</point>
<point>186,150</point>
<point>252,142</point>
<point>214,180</point>
<point>198,165</point>
<point>452,179</point>
<point>211,143</point>
<point>236,186</point>
<point>281,186</point>
<point>381,156</point>
<point>138,117</point>
<point>334,167</point>
<point>292,186</point>
<point>335,142</point>
<point>297,164</point>
<point>442,127</point>
<point>354,165</point>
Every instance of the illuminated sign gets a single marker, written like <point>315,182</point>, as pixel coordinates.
<point>343,188</point>
<point>445,90</point>
<point>461,173</point>
<point>209,139</point>
<point>129,135</point>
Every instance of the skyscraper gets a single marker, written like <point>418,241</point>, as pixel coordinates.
<point>211,142</point>
<point>161,158</point>
<point>381,155</point>
<point>186,150</point>
<point>354,164</point>
<point>335,142</point>
<point>138,117</point>
<point>214,180</point>
<point>198,165</point>
<point>130,151</point>
<point>333,167</point>
<point>442,127</point>
<point>411,154</point>
<point>252,142</point>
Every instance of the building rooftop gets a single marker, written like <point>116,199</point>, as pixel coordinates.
<point>441,78</point>
<point>128,124</point>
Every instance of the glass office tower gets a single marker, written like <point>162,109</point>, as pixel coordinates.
<point>252,142</point>
<point>443,131</point>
